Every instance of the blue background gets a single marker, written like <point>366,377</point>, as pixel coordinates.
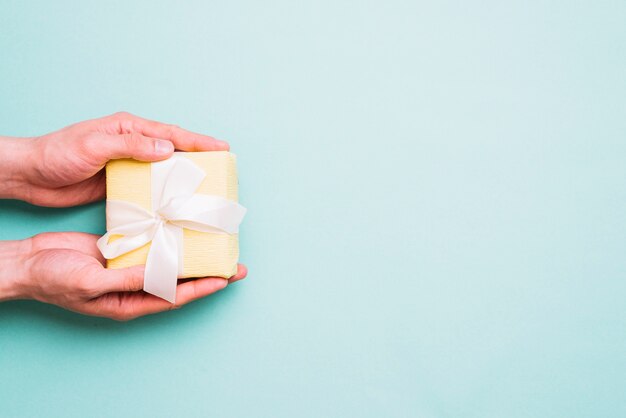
<point>436,196</point>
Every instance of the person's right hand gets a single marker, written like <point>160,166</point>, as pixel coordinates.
<point>65,168</point>
<point>67,269</point>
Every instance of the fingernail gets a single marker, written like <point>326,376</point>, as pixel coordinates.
<point>162,146</point>
<point>222,144</point>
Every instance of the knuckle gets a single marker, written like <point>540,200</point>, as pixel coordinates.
<point>40,241</point>
<point>122,115</point>
<point>120,317</point>
<point>123,315</point>
<point>84,286</point>
<point>133,282</point>
<point>123,120</point>
<point>194,290</point>
<point>172,130</point>
<point>89,144</point>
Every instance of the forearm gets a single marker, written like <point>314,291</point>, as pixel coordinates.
<point>14,257</point>
<point>15,156</point>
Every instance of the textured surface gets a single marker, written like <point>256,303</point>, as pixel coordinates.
<point>205,254</point>
<point>436,207</point>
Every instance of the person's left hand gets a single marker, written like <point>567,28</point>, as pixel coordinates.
<point>66,269</point>
<point>65,168</point>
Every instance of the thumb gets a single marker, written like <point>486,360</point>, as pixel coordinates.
<point>128,279</point>
<point>133,145</point>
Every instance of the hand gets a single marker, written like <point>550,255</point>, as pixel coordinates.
<point>66,269</point>
<point>65,168</point>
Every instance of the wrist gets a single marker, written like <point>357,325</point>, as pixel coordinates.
<point>14,167</point>
<point>14,257</point>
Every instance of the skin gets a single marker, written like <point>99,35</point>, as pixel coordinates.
<point>65,168</point>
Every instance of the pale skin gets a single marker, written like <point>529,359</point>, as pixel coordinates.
<point>65,168</point>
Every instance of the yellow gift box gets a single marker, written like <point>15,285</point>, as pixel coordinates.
<point>205,254</point>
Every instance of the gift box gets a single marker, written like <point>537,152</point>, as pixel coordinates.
<point>187,204</point>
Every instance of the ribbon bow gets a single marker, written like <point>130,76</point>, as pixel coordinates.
<point>175,206</point>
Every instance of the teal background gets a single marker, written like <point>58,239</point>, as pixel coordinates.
<point>436,196</point>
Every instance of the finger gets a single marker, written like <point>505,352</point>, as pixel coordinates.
<point>182,139</point>
<point>131,145</point>
<point>199,288</point>
<point>128,279</point>
<point>125,306</point>
<point>131,279</point>
<point>242,272</point>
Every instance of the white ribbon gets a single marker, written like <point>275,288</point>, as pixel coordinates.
<point>175,206</point>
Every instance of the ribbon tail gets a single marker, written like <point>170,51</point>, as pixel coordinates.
<point>161,274</point>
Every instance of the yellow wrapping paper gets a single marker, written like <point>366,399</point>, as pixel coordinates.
<point>205,254</point>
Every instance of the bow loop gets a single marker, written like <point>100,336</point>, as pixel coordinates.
<point>179,178</point>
